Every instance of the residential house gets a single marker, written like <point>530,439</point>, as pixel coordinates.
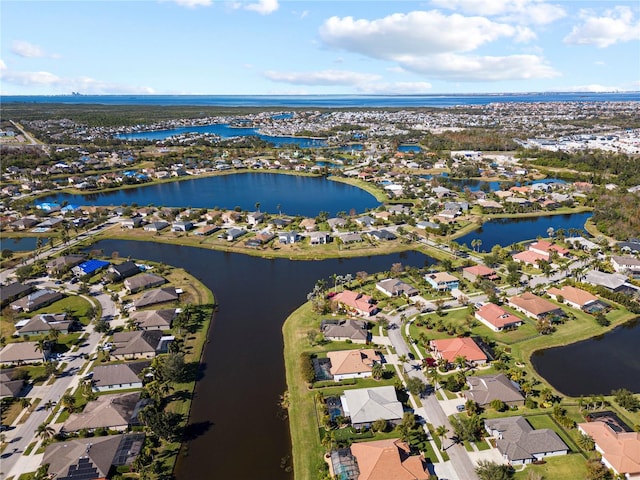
<point>353,363</point>
<point>118,376</point>
<point>520,444</point>
<point>356,303</point>
<point>89,267</point>
<point>207,230</point>
<point>21,352</point>
<point>156,226</point>
<point>388,459</point>
<point>572,296</point>
<point>450,349</point>
<point>93,457</point>
<point>366,405</point>
<point>36,300</point>
<point>254,218</point>
<point>288,238</point>
<point>117,411</point>
<point>123,270</point>
<point>479,272</point>
<point>14,291</point>
<point>533,306</point>
<point>319,238</point>
<point>349,237</point>
<point>395,288</point>
<point>625,264</point>
<point>615,282</point>
<point>497,318</point>
<point>142,281</point>
<point>10,386</point>
<point>308,224</point>
<point>139,344</point>
<point>181,226</point>
<point>382,234</point>
<point>156,296</point>
<point>484,389</point>
<point>63,263</point>
<point>130,223</point>
<point>442,281</point>
<point>342,330</point>
<point>154,319</point>
<point>545,248</point>
<point>336,223</point>
<point>24,223</point>
<point>44,323</point>
<point>260,238</point>
<point>529,257</point>
<point>620,450</point>
<point>235,233</point>
<point>365,221</point>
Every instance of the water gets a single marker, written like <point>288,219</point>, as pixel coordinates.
<point>21,244</point>
<point>505,231</point>
<point>223,130</point>
<point>295,195</point>
<point>409,148</point>
<point>235,405</point>
<point>326,101</point>
<point>595,366</point>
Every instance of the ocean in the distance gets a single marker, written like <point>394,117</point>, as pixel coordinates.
<point>326,101</point>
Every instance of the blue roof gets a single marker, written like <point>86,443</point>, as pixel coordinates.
<point>91,266</point>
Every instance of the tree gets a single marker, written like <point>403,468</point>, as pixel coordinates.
<point>48,405</point>
<point>68,401</point>
<point>441,431</point>
<point>586,442</point>
<point>379,425</point>
<point>45,431</point>
<point>165,425</point>
<point>377,371</point>
<point>597,471</point>
<point>415,386</point>
<point>487,470</point>
<point>25,402</point>
<point>42,346</point>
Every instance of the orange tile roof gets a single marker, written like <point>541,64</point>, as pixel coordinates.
<point>352,361</point>
<point>388,460</point>
<point>480,270</point>
<point>573,294</point>
<point>533,304</point>
<point>620,450</point>
<point>450,348</point>
<point>496,315</point>
<point>530,257</point>
<point>545,246</point>
<point>356,300</point>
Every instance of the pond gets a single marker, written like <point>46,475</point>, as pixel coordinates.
<point>288,194</point>
<point>235,411</point>
<point>22,244</point>
<point>595,366</point>
<point>505,231</point>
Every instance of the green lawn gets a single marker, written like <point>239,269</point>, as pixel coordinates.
<point>565,467</point>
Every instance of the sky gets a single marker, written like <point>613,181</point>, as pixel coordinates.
<point>307,47</point>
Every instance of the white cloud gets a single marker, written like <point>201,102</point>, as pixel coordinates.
<point>479,68</point>
<point>395,88</point>
<point>417,33</point>
<point>616,25</point>
<point>324,77</point>
<point>263,7</point>
<point>25,49</point>
<point>527,12</point>
<point>433,44</point>
<point>594,88</point>
<point>193,3</point>
<point>86,85</point>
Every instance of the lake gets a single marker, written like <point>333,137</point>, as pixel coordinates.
<point>294,194</point>
<point>22,244</point>
<point>595,366</point>
<point>235,413</point>
<point>505,231</point>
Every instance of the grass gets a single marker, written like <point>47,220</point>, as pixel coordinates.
<point>545,421</point>
<point>566,467</point>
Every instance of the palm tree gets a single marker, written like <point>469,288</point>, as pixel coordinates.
<point>42,347</point>
<point>441,431</point>
<point>377,371</point>
<point>25,402</point>
<point>48,405</point>
<point>45,431</point>
<point>68,401</point>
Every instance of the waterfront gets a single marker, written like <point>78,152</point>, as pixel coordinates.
<point>293,194</point>
<point>595,366</point>
<point>242,371</point>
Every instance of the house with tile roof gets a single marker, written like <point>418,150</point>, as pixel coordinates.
<point>442,281</point>
<point>546,248</point>
<point>497,318</point>
<point>157,296</point>
<point>620,450</point>
<point>138,344</point>
<point>118,376</point>
<point>342,330</point>
<point>154,319</point>
<point>64,262</point>
<point>392,287</point>
<point>356,303</point>
<point>142,281</point>
<point>534,306</point>
<point>35,300</point>
<point>353,363</point>
<point>572,296</point>
<point>17,353</point>
<point>529,258</point>
<point>478,272</point>
<point>452,348</point>
<point>116,411</point>
<point>484,389</point>
<point>388,459</point>
<point>366,405</point>
<point>520,444</point>
<point>44,323</point>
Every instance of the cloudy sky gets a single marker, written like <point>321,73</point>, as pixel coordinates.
<point>268,47</point>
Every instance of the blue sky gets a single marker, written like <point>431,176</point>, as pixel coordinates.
<point>269,47</point>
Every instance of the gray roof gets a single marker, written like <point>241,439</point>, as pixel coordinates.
<point>397,287</point>
<point>486,388</point>
<point>612,281</point>
<point>45,322</point>
<point>20,352</point>
<point>154,318</point>
<point>353,329</point>
<point>142,281</point>
<point>65,261</point>
<point>14,290</point>
<point>107,411</point>
<point>519,441</point>
<point>8,386</point>
<point>138,342</point>
<point>159,295</point>
<point>37,299</point>
<point>118,374</point>
<point>125,269</point>
<point>95,454</point>
<point>366,405</point>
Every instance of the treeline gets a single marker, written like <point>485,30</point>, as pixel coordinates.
<point>602,164</point>
<point>470,139</point>
<point>617,214</point>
